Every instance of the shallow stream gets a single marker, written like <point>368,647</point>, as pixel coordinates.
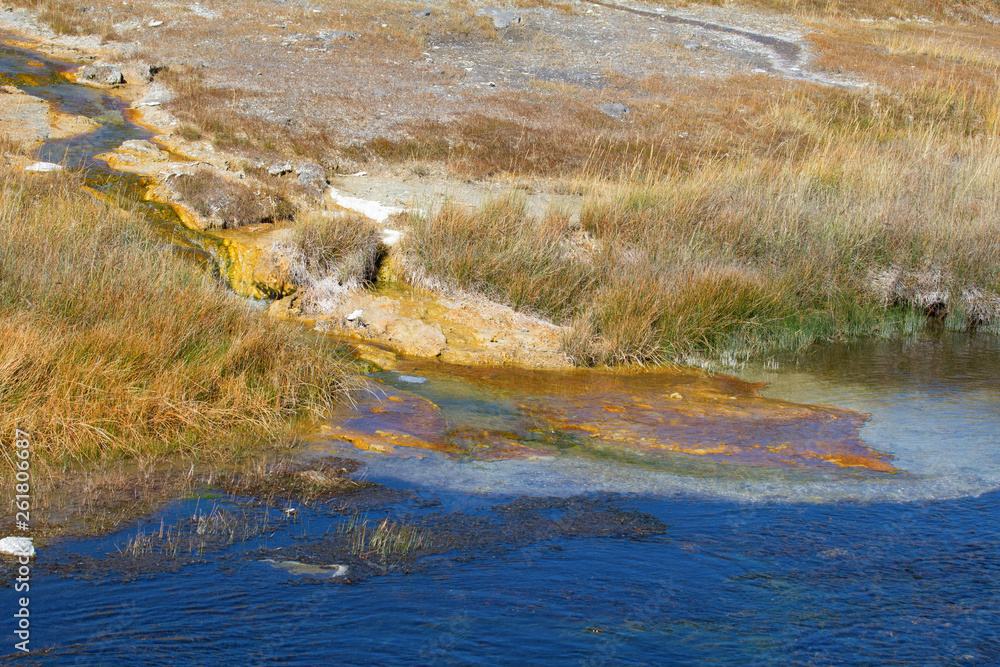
<point>46,79</point>
<point>576,519</point>
<point>723,565</point>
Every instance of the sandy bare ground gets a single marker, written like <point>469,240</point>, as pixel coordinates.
<point>364,70</point>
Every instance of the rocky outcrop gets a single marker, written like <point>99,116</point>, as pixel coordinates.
<point>101,75</point>
<point>253,270</point>
<point>137,156</point>
<point>461,330</point>
<point>613,109</point>
<point>415,338</point>
<point>312,175</point>
<point>17,546</point>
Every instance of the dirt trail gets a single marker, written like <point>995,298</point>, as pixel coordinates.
<point>789,53</point>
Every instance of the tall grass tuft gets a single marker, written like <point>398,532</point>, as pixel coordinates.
<point>330,255</point>
<point>500,252</point>
<point>347,247</point>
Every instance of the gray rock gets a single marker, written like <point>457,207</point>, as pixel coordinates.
<point>311,174</point>
<point>141,147</point>
<point>43,167</point>
<point>692,45</point>
<point>106,75</point>
<point>613,109</point>
<point>17,546</point>
<point>279,169</point>
<point>334,35</point>
<point>502,18</point>
<point>308,569</point>
<point>156,95</point>
<point>196,8</point>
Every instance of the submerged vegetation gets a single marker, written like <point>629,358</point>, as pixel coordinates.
<point>117,347</point>
<point>218,528</point>
<point>385,539</point>
<point>303,482</point>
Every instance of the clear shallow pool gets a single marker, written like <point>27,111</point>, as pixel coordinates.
<point>751,565</point>
<point>933,404</point>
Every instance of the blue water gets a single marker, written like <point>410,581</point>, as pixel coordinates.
<point>728,584</point>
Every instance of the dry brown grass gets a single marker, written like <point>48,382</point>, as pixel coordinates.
<point>941,76</point>
<point>701,121</point>
<point>116,348</point>
<point>732,217</point>
<point>740,257</point>
<point>500,252</point>
<point>212,112</point>
<point>71,18</point>
<point>330,255</point>
<point>215,113</point>
<point>906,56</point>
<point>345,247</point>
